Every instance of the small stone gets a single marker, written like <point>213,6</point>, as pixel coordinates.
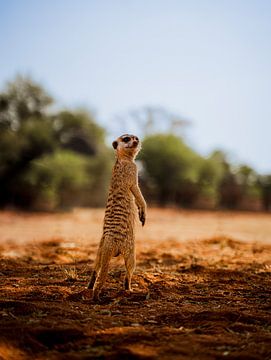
<point>105,312</point>
<point>116,312</point>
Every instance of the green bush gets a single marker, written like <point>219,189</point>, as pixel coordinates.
<point>167,161</point>
<point>54,179</point>
<point>49,160</point>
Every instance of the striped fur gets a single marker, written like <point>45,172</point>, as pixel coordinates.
<point>120,213</point>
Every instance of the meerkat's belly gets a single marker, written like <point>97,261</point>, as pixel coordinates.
<point>119,215</point>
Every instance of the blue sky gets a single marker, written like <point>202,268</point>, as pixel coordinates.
<point>207,60</point>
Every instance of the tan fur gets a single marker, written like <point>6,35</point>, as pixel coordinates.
<point>118,229</point>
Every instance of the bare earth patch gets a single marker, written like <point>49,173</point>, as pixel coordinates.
<point>202,298</point>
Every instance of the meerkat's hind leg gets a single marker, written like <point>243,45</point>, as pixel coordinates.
<point>130,261</point>
<point>105,258</point>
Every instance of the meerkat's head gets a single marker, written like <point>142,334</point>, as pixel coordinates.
<point>127,146</point>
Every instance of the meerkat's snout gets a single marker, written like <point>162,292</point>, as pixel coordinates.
<point>135,143</point>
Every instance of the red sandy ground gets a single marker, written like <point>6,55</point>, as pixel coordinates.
<point>199,291</point>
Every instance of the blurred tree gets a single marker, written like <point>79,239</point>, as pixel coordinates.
<point>60,159</point>
<point>167,161</point>
<point>32,164</point>
<point>248,179</point>
<point>17,148</point>
<point>264,182</point>
<point>26,131</point>
<point>21,100</point>
<point>79,132</point>
<point>245,175</point>
<point>210,175</point>
<point>239,188</point>
<point>99,169</point>
<point>230,191</point>
<point>149,120</point>
<point>48,180</point>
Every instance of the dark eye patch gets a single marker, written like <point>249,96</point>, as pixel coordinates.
<point>126,139</point>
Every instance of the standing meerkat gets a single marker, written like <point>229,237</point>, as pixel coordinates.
<point>120,213</point>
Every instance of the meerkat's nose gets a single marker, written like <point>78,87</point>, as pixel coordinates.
<point>135,142</point>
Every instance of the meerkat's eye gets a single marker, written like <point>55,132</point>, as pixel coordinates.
<point>126,139</point>
<point>136,138</point>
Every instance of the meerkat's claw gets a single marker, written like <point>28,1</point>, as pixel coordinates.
<point>142,217</point>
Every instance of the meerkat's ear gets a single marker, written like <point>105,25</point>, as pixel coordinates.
<point>115,144</point>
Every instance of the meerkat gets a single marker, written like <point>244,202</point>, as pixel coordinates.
<point>120,213</point>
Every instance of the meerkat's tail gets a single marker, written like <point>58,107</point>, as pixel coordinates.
<point>96,268</point>
<point>92,279</point>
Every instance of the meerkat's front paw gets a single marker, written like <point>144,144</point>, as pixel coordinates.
<point>142,215</point>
